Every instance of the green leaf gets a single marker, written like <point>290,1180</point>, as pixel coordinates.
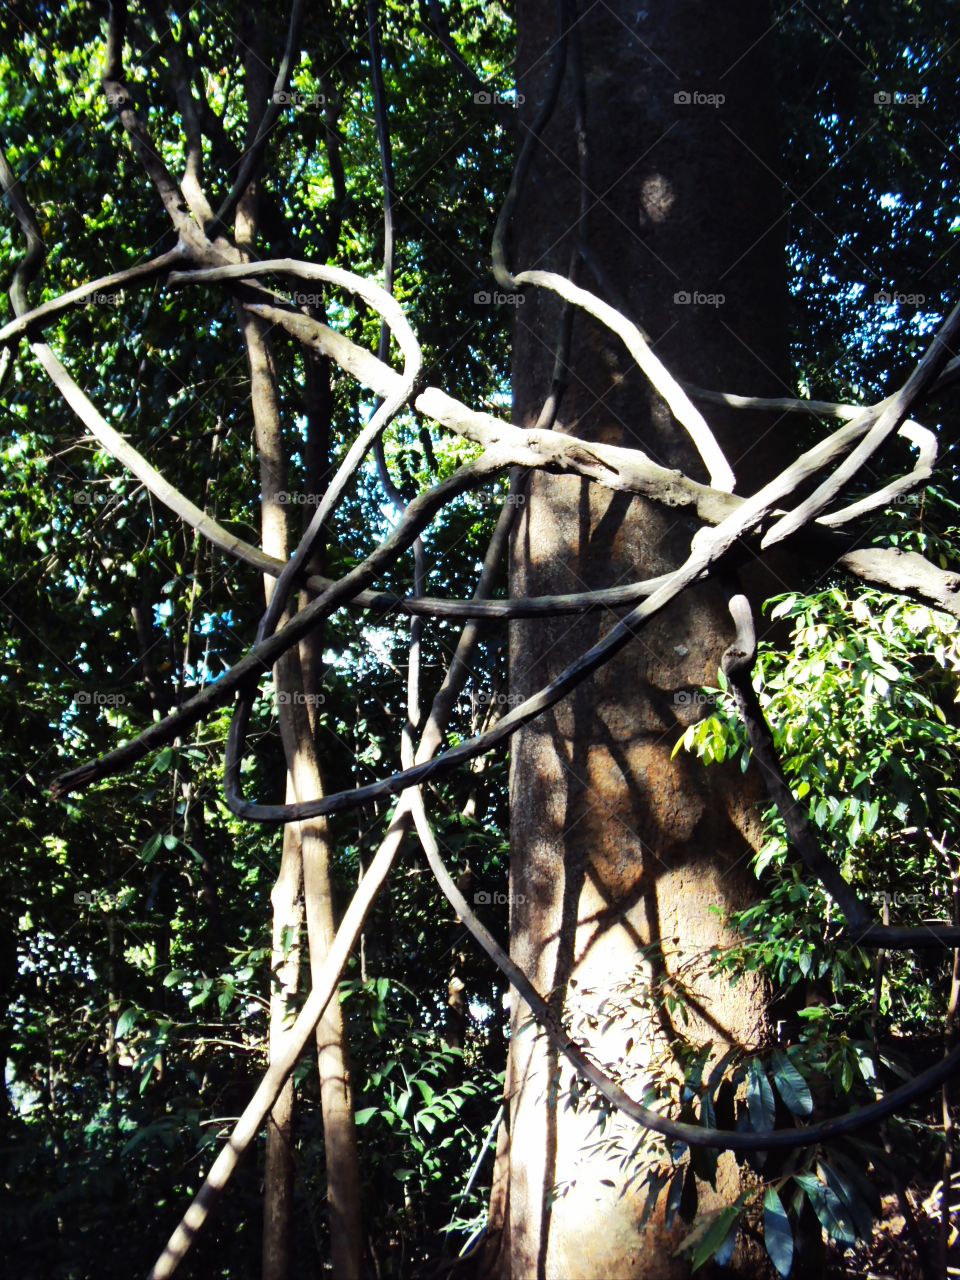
<point>126,1022</point>
<point>152,847</point>
<point>428,1094</point>
<point>791,1086</point>
<point>708,1234</point>
<point>783,608</point>
<point>827,1205</point>
<point>760,1104</point>
<point>777,1235</point>
<point>860,1212</point>
<point>163,761</point>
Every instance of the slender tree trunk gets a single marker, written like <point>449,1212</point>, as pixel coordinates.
<point>311,840</point>
<point>285,898</point>
<point>278,1166</point>
<point>614,845</point>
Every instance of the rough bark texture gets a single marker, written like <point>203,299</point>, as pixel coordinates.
<point>615,845</point>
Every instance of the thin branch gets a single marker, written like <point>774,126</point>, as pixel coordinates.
<point>718,468</point>
<point>118,96</point>
<point>558,66</point>
<point>31,262</point>
<point>14,329</point>
<point>286,1055</point>
<point>926,443</point>
<point>439,28</point>
<point>382,120</point>
<point>896,408</point>
<point>191,184</point>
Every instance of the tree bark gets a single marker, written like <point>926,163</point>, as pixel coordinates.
<point>278,1166</point>
<point>307,846</point>
<point>614,845</point>
<point>285,898</point>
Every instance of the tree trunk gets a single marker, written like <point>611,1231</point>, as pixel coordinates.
<point>278,1167</point>
<point>614,845</point>
<point>306,846</point>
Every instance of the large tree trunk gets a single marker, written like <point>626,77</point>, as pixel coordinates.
<point>613,844</point>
